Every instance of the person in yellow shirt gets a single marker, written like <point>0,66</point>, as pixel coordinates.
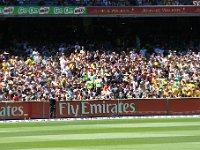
<point>89,85</point>
<point>183,91</point>
<point>63,81</point>
<point>98,84</point>
<point>29,61</point>
<point>170,86</point>
<point>4,66</point>
<point>190,85</point>
<point>12,61</point>
<point>196,93</point>
<point>189,93</point>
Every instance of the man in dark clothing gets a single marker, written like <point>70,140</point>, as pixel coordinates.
<point>52,102</point>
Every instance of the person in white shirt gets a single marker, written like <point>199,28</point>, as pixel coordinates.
<point>62,61</point>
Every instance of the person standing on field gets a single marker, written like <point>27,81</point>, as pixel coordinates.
<point>52,103</point>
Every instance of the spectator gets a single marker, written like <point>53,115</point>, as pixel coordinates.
<point>89,75</point>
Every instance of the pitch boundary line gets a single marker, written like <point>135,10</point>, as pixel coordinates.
<point>100,118</point>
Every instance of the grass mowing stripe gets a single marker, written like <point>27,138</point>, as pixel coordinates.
<point>163,146</point>
<point>81,137</point>
<point>101,130</point>
<point>102,134</point>
<point>91,136</point>
<point>90,122</point>
<point>99,142</point>
<point>98,126</point>
<point>172,146</point>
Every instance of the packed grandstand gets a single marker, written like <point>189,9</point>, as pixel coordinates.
<point>89,75</point>
<point>94,59</point>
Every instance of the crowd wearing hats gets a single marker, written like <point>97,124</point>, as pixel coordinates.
<point>96,75</point>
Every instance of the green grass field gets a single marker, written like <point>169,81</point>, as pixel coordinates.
<point>120,134</point>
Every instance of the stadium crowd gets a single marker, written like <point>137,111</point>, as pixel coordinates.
<point>99,74</point>
<point>94,2</point>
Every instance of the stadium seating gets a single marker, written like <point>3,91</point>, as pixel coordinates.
<point>86,75</point>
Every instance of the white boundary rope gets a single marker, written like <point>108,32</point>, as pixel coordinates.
<point>99,118</point>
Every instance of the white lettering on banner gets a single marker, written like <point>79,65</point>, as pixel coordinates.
<point>70,109</point>
<point>22,10</point>
<point>67,10</point>
<point>83,111</point>
<point>74,109</point>
<point>125,107</point>
<point>113,109</point>
<point>58,10</point>
<point>61,107</point>
<point>11,111</point>
<point>132,106</point>
<point>89,109</point>
<point>196,3</point>
<point>96,108</point>
<point>33,10</point>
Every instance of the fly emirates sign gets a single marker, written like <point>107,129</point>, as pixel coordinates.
<point>95,108</point>
<point>11,111</point>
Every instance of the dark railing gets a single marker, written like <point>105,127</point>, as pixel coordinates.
<point>95,2</point>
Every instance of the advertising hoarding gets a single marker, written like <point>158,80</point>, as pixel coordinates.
<point>100,108</point>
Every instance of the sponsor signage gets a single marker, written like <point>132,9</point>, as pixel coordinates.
<point>11,111</point>
<point>36,10</point>
<point>95,108</point>
<point>100,108</point>
<point>75,10</point>
<point>143,10</point>
<point>21,110</point>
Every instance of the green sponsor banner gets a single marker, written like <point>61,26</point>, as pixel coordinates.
<point>37,10</point>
